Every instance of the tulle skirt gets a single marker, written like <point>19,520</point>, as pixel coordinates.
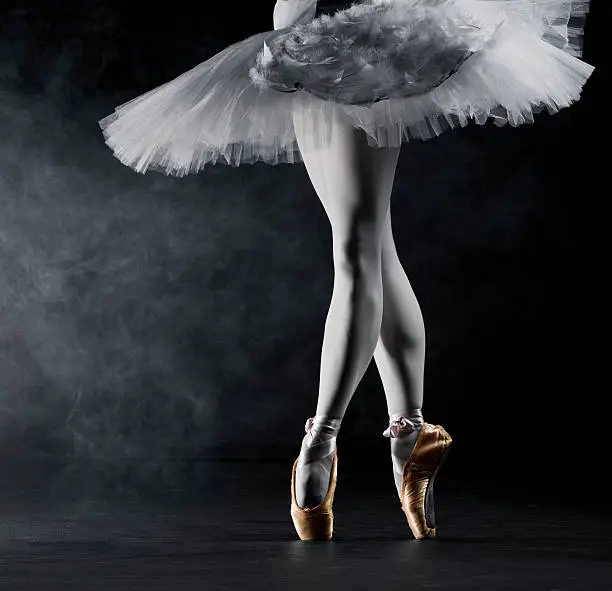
<point>397,69</point>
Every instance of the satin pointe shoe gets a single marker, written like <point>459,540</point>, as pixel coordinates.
<point>417,495</point>
<point>315,523</point>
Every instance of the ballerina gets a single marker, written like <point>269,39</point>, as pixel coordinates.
<point>341,93</point>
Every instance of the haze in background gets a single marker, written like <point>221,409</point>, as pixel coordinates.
<point>147,321</point>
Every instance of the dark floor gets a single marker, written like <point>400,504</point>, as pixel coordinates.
<point>242,537</point>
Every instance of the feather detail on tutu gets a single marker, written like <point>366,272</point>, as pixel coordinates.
<point>374,50</point>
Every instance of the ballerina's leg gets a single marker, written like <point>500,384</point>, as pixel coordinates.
<point>353,182</point>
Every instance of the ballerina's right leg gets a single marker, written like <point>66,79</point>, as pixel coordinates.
<point>352,181</point>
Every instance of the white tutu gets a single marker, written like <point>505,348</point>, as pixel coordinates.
<point>397,69</point>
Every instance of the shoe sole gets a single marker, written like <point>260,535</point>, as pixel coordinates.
<point>430,513</point>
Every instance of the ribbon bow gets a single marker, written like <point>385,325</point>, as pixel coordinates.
<point>399,426</point>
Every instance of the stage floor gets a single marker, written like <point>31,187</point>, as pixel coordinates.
<point>241,537</point>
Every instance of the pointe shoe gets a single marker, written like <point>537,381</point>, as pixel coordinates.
<point>315,523</point>
<point>418,477</point>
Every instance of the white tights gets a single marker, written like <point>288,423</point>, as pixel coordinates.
<point>373,311</point>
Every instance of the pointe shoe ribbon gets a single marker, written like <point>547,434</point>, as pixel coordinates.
<point>329,426</point>
<point>400,425</point>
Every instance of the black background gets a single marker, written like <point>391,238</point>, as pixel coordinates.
<point>149,324</point>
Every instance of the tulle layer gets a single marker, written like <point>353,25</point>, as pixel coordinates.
<point>215,114</point>
<point>560,22</point>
